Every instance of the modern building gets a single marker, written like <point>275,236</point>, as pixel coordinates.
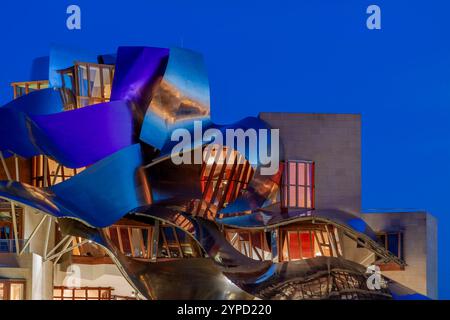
<point>320,186</point>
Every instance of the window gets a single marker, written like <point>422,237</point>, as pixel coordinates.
<point>298,184</point>
<point>304,241</point>
<point>254,244</point>
<point>90,83</point>
<point>84,293</point>
<point>392,241</point>
<point>224,176</point>
<point>295,242</point>
<point>12,289</point>
<point>136,241</point>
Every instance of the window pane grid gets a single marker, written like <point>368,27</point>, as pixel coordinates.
<point>298,185</point>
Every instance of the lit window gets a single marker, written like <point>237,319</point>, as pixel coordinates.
<point>84,293</point>
<point>90,83</point>
<point>305,241</point>
<point>12,289</point>
<point>223,177</point>
<point>298,184</point>
<point>255,244</point>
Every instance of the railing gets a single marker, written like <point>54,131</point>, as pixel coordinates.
<point>9,245</point>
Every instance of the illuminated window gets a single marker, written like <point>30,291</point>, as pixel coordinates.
<point>295,242</point>
<point>254,244</point>
<point>305,241</point>
<point>12,289</point>
<point>137,241</point>
<point>84,293</point>
<point>90,83</point>
<point>223,177</point>
<point>298,184</point>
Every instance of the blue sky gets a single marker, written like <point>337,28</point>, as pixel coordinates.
<point>295,56</point>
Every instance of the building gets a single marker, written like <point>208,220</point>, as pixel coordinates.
<point>316,214</point>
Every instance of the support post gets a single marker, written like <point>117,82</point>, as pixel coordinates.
<point>155,240</point>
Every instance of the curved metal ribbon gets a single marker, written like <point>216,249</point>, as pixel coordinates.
<point>81,137</point>
<point>137,71</point>
<point>181,97</point>
<point>259,278</point>
<point>195,278</point>
<point>14,132</point>
<point>98,196</point>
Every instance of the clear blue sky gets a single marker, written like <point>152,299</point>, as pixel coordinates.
<point>297,56</point>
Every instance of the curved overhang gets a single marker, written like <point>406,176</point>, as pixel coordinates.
<point>196,278</point>
<point>98,196</point>
<point>353,226</point>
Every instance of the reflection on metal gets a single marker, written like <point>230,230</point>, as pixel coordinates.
<point>137,73</point>
<point>318,278</point>
<point>181,98</point>
<point>126,145</point>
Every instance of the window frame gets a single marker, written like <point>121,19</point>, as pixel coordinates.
<point>86,291</point>
<point>400,236</point>
<point>7,287</point>
<point>309,184</point>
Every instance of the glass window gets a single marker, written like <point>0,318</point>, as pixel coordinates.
<point>16,291</point>
<point>305,241</point>
<point>392,241</point>
<point>107,76</point>
<point>93,294</point>
<point>12,289</point>
<point>68,80</point>
<point>94,82</point>
<point>82,81</point>
<point>84,293</point>
<point>298,184</point>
